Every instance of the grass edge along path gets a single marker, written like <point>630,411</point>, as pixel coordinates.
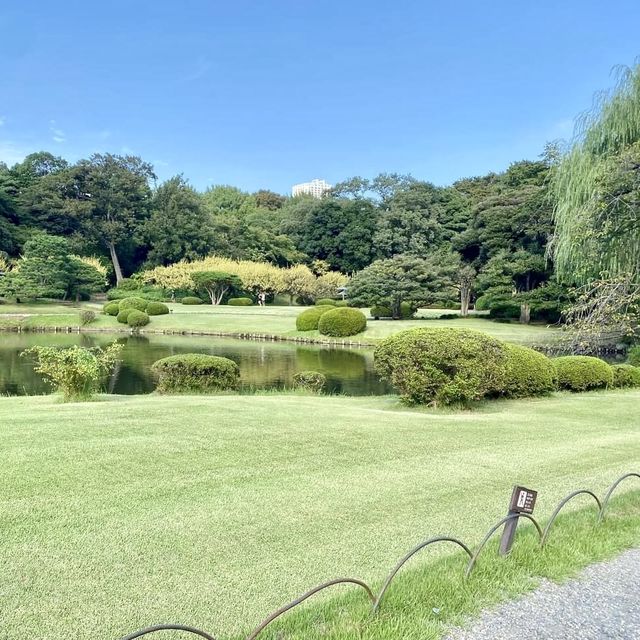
<point>427,599</point>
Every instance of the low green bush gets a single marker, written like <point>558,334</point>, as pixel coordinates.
<point>380,311</point>
<point>308,320</point>
<point>157,309</point>
<point>195,372</point>
<point>148,293</point>
<point>633,356</point>
<point>449,316</point>
<point>190,300</point>
<point>137,318</point>
<point>342,322</point>
<point>340,303</point>
<point>442,366</point>
<point>240,302</point>
<point>124,315</point>
<point>583,373</point>
<point>323,302</point>
<point>111,308</point>
<point>140,304</point>
<point>310,380</point>
<point>529,373</point>
<point>407,310</point>
<point>87,317</point>
<point>625,375</point>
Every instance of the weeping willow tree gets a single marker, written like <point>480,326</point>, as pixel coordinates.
<point>596,187</point>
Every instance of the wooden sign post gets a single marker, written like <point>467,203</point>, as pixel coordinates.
<point>523,500</point>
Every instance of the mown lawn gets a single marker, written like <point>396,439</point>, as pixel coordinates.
<point>213,511</point>
<point>272,321</point>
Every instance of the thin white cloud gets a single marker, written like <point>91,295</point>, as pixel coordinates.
<point>58,134</point>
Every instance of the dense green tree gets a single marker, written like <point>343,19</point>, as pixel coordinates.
<point>269,200</point>
<point>178,227</point>
<point>216,284</point>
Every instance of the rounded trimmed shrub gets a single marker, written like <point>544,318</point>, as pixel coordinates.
<point>342,322</point>
<point>137,318</point>
<point>625,375</point>
<point>240,302</point>
<point>195,372</point>
<point>407,310</point>
<point>529,372</point>
<point>583,373</point>
<point>140,304</point>
<point>111,308</point>
<point>380,311</point>
<point>123,315</point>
<point>308,320</point>
<point>323,302</point>
<point>309,380</point>
<point>190,300</point>
<point>157,309</point>
<point>340,303</point>
<point>442,366</point>
<point>633,356</point>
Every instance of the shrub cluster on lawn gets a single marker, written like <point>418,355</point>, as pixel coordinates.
<point>128,288</point>
<point>157,309</point>
<point>308,320</point>
<point>448,365</point>
<point>341,322</point>
<point>135,311</point>
<point>195,372</point>
<point>134,303</point>
<point>111,308</point>
<point>240,302</point>
<point>583,373</point>
<point>137,318</point>
<point>407,311</point>
<point>323,302</point>
<point>191,300</point>
<point>309,380</point>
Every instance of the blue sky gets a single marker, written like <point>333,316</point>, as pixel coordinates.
<point>265,94</point>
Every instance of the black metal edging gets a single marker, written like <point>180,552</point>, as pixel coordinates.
<point>561,505</point>
<point>168,627</point>
<point>612,488</point>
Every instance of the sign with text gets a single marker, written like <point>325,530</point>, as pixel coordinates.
<point>523,500</point>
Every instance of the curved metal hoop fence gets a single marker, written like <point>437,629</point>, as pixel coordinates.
<point>612,488</point>
<point>409,555</point>
<point>493,529</point>
<point>559,508</point>
<point>168,627</point>
<point>375,601</point>
<point>325,585</point>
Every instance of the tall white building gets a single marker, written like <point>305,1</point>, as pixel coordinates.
<point>314,188</point>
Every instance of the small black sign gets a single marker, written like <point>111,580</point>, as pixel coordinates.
<point>523,500</point>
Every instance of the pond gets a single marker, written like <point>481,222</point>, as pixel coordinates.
<point>263,365</point>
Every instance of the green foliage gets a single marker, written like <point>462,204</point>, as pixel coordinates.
<point>195,372</point>
<point>150,293</point>
<point>215,283</point>
<point>407,310</point>
<point>583,373</point>
<point>111,308</point>
<point>87,317</point>
<point>137,318</point>
<point>157,309</point>
<point>529,373</point>
<point>380,311</point>
<point>323,302</point>
<point>625,375</point>
<point>442,366</point>
<point>308,320</point>
<point>190,300</point>
<point>340,303</point>
<point>341,322</point>
<point>76,372</point>
<point>139,304</point>
<point>309,380</point>
<point>633,356</point>
<point>123,315</point>
<point>240,302</point>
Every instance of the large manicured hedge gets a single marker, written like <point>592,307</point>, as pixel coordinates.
<point>195,372</point>
<point>157,309</point>
<point>308,320</point>
<point>323,302</point>
<point>137,318</point>
<point>583,373</point>
<point>111,308</point>
<point>529,373</point>
<point>342,322</point>
<point>240,302</point>
<point>140,304</point>
<point>442,366</point>
<point>191,300</point>
<point>626,375</point>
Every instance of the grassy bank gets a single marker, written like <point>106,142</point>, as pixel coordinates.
<point>216,510</point>
<point>278,322</point>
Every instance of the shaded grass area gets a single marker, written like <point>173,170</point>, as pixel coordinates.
<point>214,511</point>
<point>269,321</point>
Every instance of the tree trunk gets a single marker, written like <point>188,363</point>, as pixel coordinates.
<point>116,263</point>
<point>525,313</point>
<point>465,297</point>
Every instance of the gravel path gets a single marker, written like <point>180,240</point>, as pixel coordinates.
<point>602,603</point>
